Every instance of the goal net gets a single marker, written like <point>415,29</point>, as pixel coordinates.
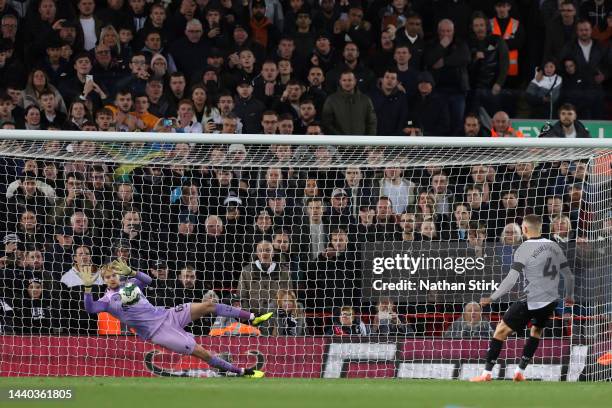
<point>373,257</point>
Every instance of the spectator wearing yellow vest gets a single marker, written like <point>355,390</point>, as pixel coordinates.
<point>511,30</point>
<point>502,126</point>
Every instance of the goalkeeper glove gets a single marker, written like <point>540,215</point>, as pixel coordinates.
<point>121,268</point>
<point>87,276</point>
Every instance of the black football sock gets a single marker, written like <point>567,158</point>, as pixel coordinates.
<point>494,349</point>
<point>528,351</point>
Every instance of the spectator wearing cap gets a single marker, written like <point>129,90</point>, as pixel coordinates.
<point>76,86</point>
<point>190,52</point>
<point>429,114</point>
<point>350,61</point>
<point>162,290</point>
<point>390,104</point>
<point>592,63</point>
<point>489,66</point>
<point>447,57</point>
<point>261,279</point>
<point>338,214</point>
<point>568,126</point>
<point>348,111</point>
<point>36,310</point>
<point>248,108</point>
<point>278,208</point>
<point>223,184</point>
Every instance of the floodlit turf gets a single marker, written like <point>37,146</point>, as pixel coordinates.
<point>293,393</point>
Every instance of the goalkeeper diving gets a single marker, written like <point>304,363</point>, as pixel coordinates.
<point>539,261</point>
<point>159,325</point>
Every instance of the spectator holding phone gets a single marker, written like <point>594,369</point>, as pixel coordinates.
<point>387,321</point>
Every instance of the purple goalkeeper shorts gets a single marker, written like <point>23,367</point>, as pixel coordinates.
<point>171,334</point>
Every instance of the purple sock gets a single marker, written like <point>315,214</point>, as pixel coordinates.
<point>224,365</point>
<point>230,311</point>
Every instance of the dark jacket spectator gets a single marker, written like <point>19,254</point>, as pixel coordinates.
<point>348,111</point>
<point>390,105</point>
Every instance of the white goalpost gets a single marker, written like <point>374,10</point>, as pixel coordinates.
<point>373,252</point>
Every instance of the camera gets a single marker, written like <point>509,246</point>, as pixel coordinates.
<point>167,122</point>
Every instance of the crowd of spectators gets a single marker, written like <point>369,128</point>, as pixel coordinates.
<point>278,237</point>
<point>281,238</point>
<point>400,67</point>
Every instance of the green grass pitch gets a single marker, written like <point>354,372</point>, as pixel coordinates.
<point>296,393</point>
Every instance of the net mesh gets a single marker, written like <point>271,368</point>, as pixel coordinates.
<point>296,230</point>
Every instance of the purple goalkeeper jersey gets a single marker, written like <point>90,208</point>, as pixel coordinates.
<point>141,316</point>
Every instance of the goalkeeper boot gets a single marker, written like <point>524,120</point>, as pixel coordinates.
<point>481,378</point>
<point>519,377</point>
<point>261,319</point>
<point>251,373</point>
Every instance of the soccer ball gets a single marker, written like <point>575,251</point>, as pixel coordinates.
<point>130,294</point>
